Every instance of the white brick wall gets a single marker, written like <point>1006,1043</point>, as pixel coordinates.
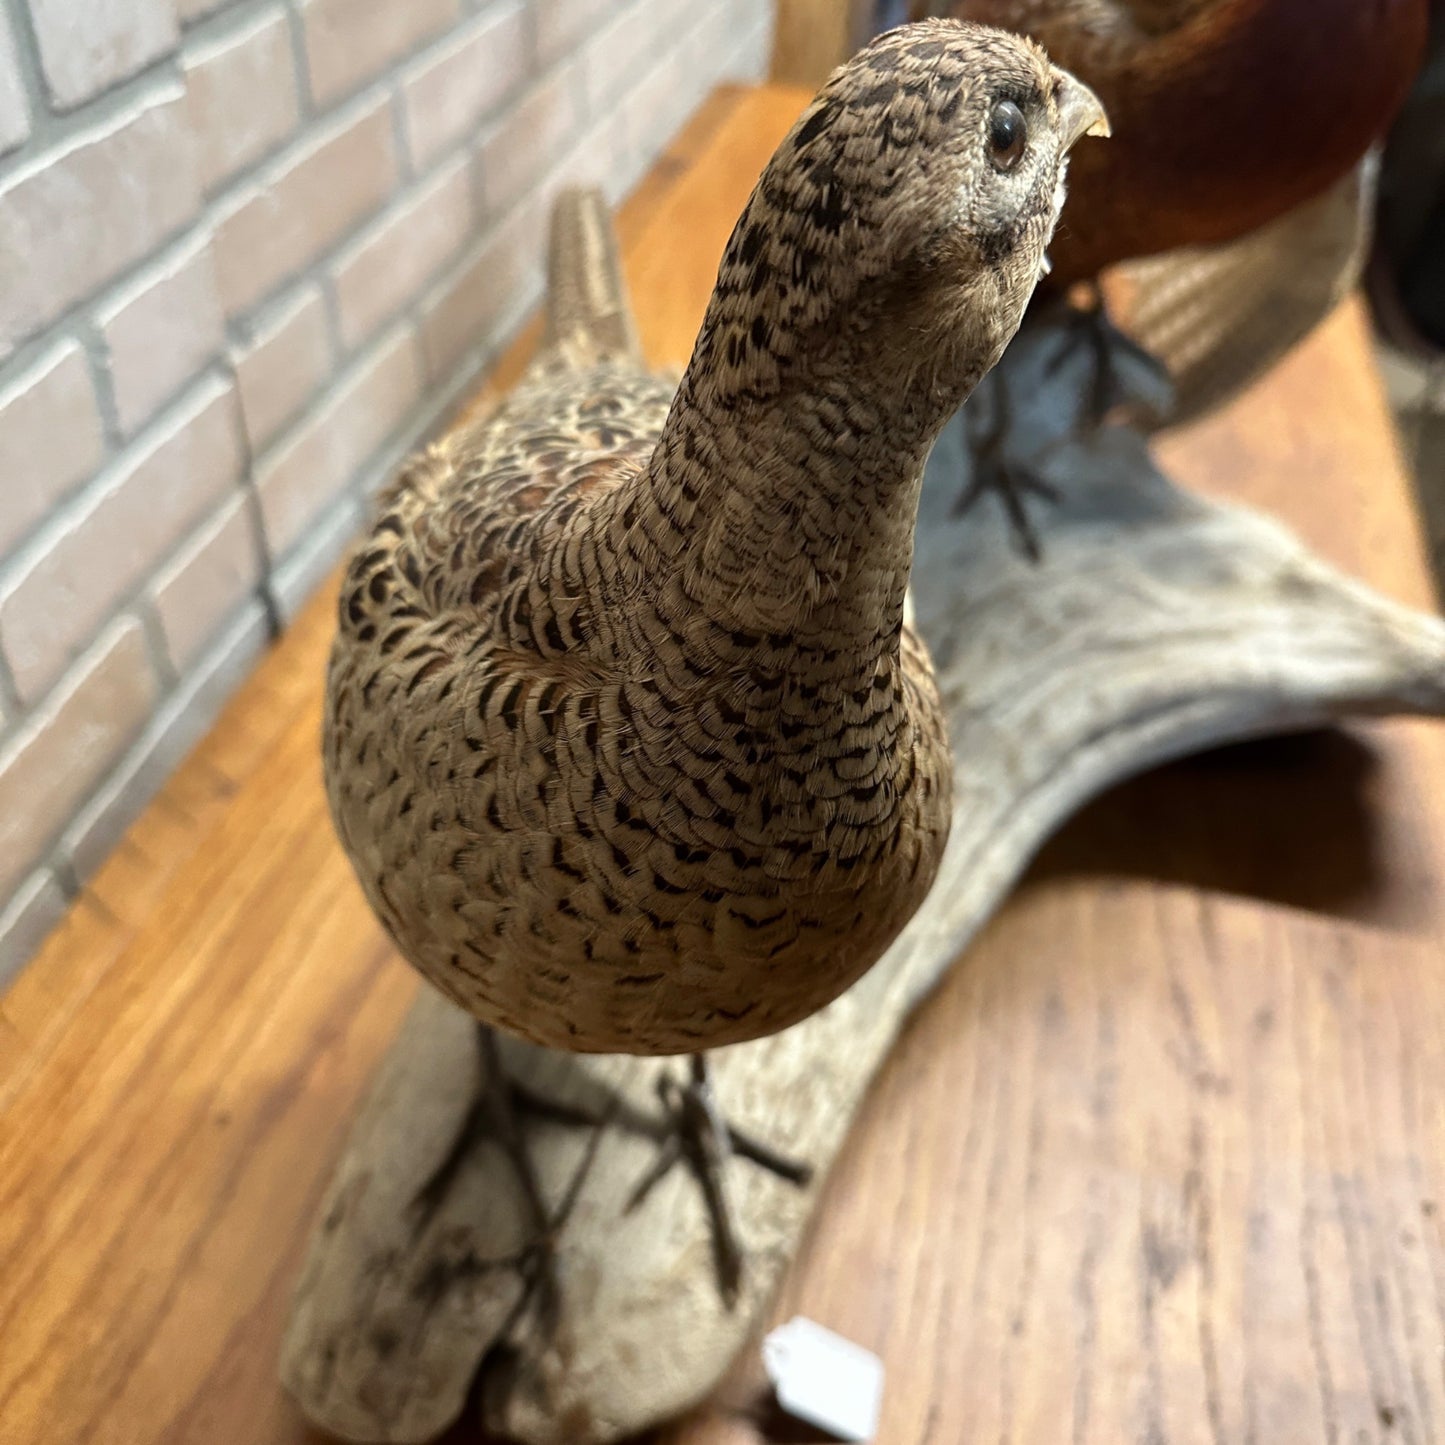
<point>241,90</point>
<point>304,202</point>
<point>283,364</point>
<point>350,41</point>
<point>48,411</point>
<point>161,330</point>
<point>250,252</point>
<point>466,78</point>
<point>94,553</point>
<point>88,45</point>
<point>83,214</point>
<point>14,113</point>
<point>392,261</point>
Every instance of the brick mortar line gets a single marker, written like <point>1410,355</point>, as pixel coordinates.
<point>265,558</point>
<point>202,225</point>
<point>63,870</point>
<point>208,31</point>
<point>144,611</point>
<point>102,380</point>
<point>168,712</point>
<point>14,709</point>
<point>296,33</point>
<point>156,429</point>
<point>52,131</point>
<point>32,76</point>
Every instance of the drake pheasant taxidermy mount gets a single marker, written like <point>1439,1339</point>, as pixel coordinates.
<point>1226,114</point>
<point>626,736</point>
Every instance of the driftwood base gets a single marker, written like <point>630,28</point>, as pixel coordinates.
<point>1155,625</point>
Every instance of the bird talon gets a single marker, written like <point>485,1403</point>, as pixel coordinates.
<point>701,1134</point>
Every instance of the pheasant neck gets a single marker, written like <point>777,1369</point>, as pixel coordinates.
<point>791,513</point>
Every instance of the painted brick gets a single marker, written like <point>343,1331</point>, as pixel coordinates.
<point>162,331</point>
<point>217,567</point>
<point>82,215</point>
<point>657,105</point>
<point>390,264</point>
<point>753,57</point>
<point>14,113</point>
<point>304,205</point>
<point>163,530</point>
<point>50,438</point>
<point>283,366</point>
<point>600,158</point>
<point>181,723</point>
<point>490,290</point>
<point>86,46</point>
<point>349,41</point>
<point>50,767</point>
<point>710,45</point>
<point>310,561</point>
<point>563,24</point>
<point>613,56</point>
<point>93,556</point>
<point>25,923</point>
<point>317,464</point>
<point>241,93</point>
<point>451,89</point>
<point>530,138</point>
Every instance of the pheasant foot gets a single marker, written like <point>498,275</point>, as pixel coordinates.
<point>1108,391</point>
<point>496,1114</point>
<point>988,420</point>
<point>701,1135</point>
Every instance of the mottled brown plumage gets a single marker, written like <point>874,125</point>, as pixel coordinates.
<point>625,734</point>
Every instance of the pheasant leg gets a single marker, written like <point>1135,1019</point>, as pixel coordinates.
<point>701,1135</point>
<point>1089,327</point>
<point>995,472</point>
<point>495,1115</point>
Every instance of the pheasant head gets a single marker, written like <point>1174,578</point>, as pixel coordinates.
<point>879,269</point>
<point>901,226</point>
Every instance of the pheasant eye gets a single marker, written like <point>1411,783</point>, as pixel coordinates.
<point>1008,135</point>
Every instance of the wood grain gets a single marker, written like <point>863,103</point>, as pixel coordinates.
<point>1158,1164</point>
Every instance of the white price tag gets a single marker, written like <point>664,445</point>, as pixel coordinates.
<point>824,1380</point>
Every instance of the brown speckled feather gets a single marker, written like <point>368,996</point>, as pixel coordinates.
<point>625,735</point>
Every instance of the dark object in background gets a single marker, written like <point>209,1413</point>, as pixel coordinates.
<point>1422,283</point>
<point>1407,281</point>
<point>1226,113</point>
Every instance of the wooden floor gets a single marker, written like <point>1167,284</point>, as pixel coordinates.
<point>1161,1164</point>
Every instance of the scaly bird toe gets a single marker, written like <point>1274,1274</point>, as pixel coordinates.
<point>495,1115</point>
<point>701,1134</point>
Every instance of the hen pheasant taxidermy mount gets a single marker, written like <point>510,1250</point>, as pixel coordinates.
<point>1226,115</point>
<point>626,736</point>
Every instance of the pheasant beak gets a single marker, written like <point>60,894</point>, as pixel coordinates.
<point>1081,112</point>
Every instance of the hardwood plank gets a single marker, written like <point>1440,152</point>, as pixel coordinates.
<point>1159,1163</point>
